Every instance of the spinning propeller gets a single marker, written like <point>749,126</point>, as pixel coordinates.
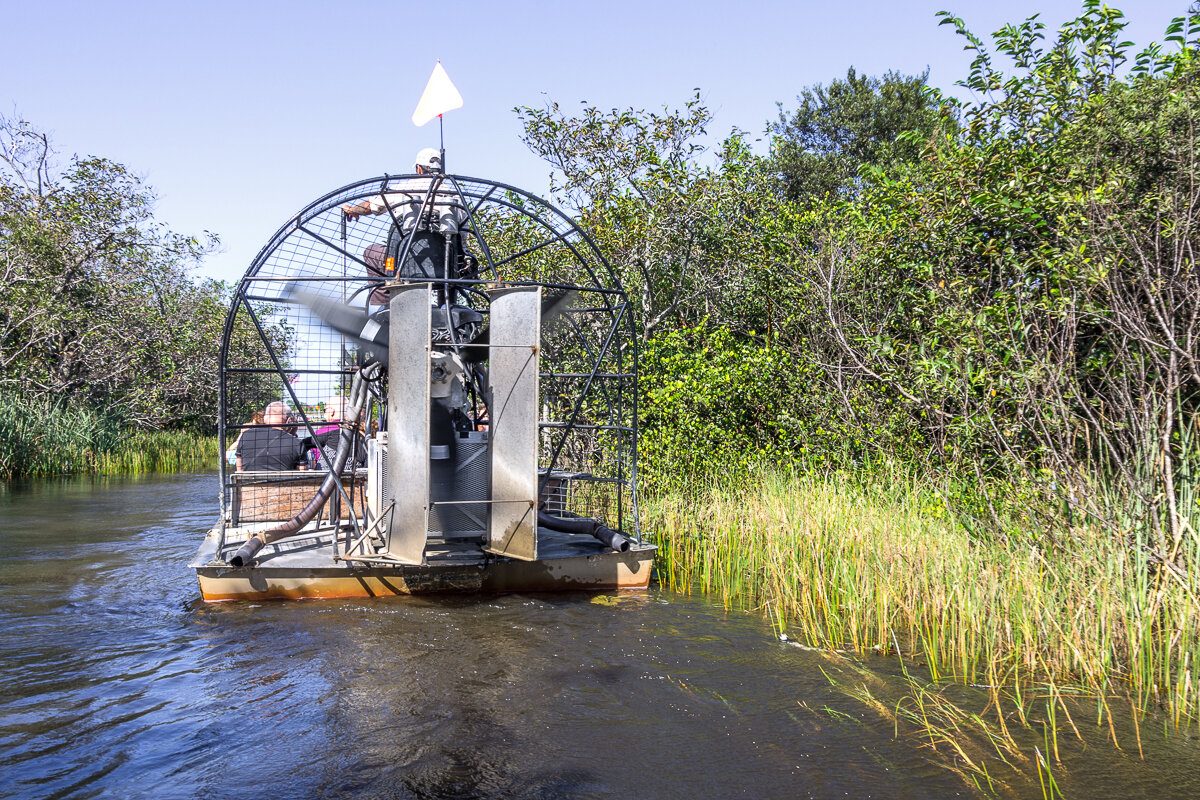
<point>371,331</point>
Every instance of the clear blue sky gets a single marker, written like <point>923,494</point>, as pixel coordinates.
<point>239,113</point>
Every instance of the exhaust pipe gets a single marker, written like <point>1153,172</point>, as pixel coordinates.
<point>247,552</point>
<point>583,525</point>
<point>617,541</point>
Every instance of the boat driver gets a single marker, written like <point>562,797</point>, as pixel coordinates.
<point>406,197</point>
<point>440,219</point>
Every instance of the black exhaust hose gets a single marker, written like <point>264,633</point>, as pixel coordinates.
<point>246,552</point>
<point>617,541</point>
<point>358,394</point>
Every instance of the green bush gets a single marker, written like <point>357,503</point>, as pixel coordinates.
<point>713,403</point>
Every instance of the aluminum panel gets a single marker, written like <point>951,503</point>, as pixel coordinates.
<point>515,324</point>
<point>408,421</point>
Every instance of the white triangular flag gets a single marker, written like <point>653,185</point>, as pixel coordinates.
<point>439,97</point>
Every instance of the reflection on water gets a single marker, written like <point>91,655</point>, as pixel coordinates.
<point>116,681</point>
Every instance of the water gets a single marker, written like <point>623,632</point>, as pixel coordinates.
<point>115,681</point>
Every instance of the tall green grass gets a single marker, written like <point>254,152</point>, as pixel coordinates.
<point>39,439</point>
<point>159,451</point>
<point>872,565</point>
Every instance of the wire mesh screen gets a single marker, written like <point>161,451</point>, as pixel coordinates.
<point>286,373</point>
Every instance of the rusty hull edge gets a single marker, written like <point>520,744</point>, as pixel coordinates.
<point>630,570</point>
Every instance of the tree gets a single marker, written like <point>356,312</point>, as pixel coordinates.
<point>683,236</point>
<point>1028,288</point>
<point>819,148</point>
<point>97,304</point>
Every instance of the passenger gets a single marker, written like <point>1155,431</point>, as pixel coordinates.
<point>328,437</point>
<point>231,454</point>
<point>335,412</point>
<point>272,448</point>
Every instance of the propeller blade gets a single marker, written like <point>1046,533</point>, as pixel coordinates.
<point>367,331</point>
<point>553,304</point>
<point>371,331</point>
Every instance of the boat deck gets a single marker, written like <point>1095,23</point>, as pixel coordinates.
<point>304,566</point>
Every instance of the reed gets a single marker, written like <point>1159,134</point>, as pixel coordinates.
<point>40,440</point>
<point>880,565</point>
<point>159,451</point>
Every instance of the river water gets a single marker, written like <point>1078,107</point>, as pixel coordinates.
<point>116,681</point>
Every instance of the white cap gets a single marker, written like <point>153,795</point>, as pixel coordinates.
<point>429,158</point>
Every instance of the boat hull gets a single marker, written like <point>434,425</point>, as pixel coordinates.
<point>307,570</point>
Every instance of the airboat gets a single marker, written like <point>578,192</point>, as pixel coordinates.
<point>460,367</point>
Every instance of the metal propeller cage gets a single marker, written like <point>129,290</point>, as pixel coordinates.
<point>274,348</point>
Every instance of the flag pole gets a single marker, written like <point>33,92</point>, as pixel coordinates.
<point>442,143</point>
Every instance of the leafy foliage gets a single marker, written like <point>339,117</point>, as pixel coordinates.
<point>97,306</point>
<point>1003,287</point>
<point>820,147</point>
<point>680,234</point>
<point>1028,289</point>
<point>713,403</point>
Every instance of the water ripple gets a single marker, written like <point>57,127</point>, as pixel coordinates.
<point>115,681</point>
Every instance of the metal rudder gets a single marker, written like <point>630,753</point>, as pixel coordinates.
<point>409,337</point>
<point>515,322</point>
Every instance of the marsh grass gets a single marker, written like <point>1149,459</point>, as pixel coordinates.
<point>881,565</point>
<point>39,440</point>
<point>998,748</point>
<point>159,451</point>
